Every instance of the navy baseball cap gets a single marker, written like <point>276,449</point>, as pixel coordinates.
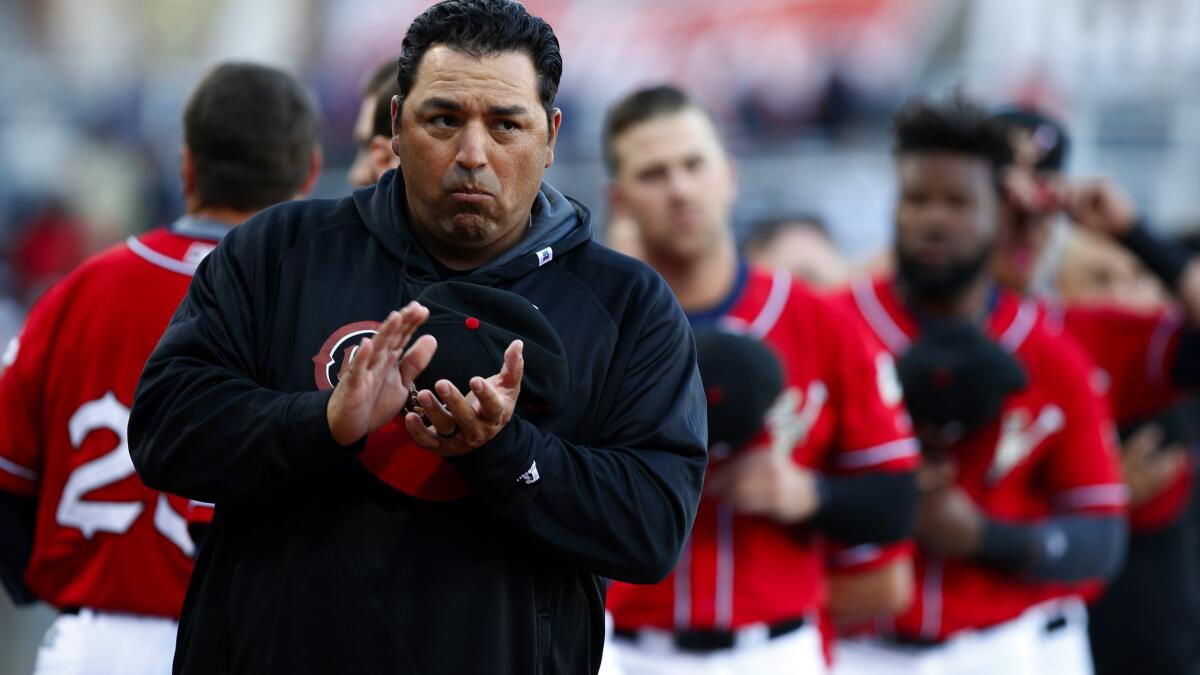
<point>742,378</point>
<point>1049,134</point>
<point>474,325</point>
<point>955,378</point>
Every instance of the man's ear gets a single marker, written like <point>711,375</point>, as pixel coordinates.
<point>381,156</point>
<point>315,162</point>
<point>555,123</point>
<point>396,102</point>
<point>616,204</point>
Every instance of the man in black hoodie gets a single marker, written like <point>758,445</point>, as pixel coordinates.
<point>265,397</point>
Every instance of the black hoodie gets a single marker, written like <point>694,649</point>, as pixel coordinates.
<point>312,565</point>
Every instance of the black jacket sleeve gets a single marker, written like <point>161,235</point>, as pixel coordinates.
<point>200,425</point>
<point>623,508</point>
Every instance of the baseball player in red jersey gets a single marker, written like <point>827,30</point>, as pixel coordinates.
<point>834,460</point>
<point>1143,362</point>
<point>373,128</point>
<point>1021,493</point>
<point>111,554</point>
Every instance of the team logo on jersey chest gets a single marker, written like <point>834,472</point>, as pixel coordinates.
<point>794,415</point>
<point>1019,437</point>
<point>331,361</point>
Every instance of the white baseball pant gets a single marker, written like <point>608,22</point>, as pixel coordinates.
<point>103,643</point>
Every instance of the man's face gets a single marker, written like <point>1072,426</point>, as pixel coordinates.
<point>473,144</point>
<point>1096,271</point>
<point>676,182</point>
<point>1023,230</point>
<point>807,254</point>
<point>945,220</point>
<point>367,166</point>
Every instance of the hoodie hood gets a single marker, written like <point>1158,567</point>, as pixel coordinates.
<point>558,225</point>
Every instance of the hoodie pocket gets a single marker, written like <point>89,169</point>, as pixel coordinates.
<point>543,641</point>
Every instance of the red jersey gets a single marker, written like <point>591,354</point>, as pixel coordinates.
<point>838,414</point>
<point>1050,451</point>
<point>103,539</point>
<point>1132,353</point>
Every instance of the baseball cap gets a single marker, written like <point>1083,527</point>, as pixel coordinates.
<point>474,325</point>
<point>742,378</point>
<point>1049,134</point>
<point>956,378</point>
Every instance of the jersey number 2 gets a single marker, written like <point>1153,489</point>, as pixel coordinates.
<point>90,517</point>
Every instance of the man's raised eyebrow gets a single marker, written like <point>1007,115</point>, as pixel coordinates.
<point>437,103</point>
<point>508,110</point>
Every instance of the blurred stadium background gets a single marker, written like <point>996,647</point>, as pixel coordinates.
<point>91,93</point>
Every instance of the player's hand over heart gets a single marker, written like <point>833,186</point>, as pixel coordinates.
<point>1148,468</point>
<point>767,484</point>
<point>460,424</point>
<point>948,522</point>
<point>375,387</point>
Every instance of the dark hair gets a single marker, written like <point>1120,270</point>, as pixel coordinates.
<point>764,231</point>
<point>381,88</point>
<point>1047,132</point>
<point>483,28</point>
<point>641,106</point>
<point>251,131</point>
<point>956,125</point>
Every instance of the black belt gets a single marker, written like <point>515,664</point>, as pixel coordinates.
<point>69,610</point>
<point>1054,623</point>
<point>714,640</point>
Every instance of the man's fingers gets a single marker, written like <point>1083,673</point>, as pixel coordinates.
<point>934,475</point>
<point>462,412</point>
<point>379,342</point>
<point>751,495</point>
<point>441,419</point>
<point>1143,442</point>
<point>491,403</point>
<point>740,474</point>
<point>358,363</point>
<point>421,434</point>
<point>1163,466</point>
<point>417,358</point>
<point>411,317</point>
<point>514,367</point>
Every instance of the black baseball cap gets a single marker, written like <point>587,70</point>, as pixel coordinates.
<point>1050,134</point>
<point>955,378</point>
<point>742,378</point>
<point>474,325</point>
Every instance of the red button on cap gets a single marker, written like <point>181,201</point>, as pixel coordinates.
<point>472,323</point>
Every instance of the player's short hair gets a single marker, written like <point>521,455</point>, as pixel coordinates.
<point>955,125</point>
<point>251,131</point>
<point>380,88</point>
<point>483,28</point>
<point>764,231</point>
<point>642,106</point>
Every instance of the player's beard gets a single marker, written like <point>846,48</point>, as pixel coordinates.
<point>941,282</point>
